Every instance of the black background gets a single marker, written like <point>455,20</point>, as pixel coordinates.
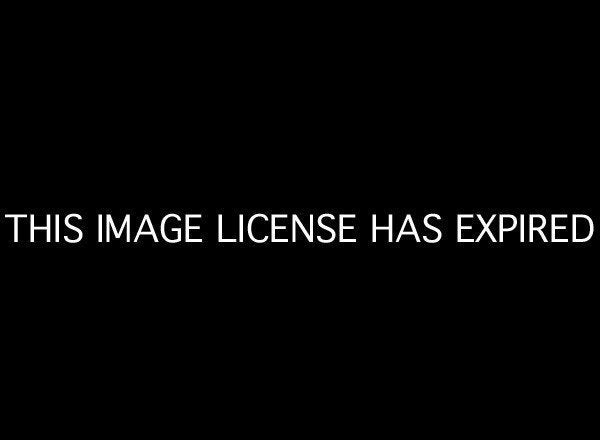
<point>381,113</point>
